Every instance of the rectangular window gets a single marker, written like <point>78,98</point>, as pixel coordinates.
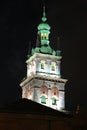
<point>53,66</point>
<point>42,64</point>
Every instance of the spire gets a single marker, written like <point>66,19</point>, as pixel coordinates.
<point>44,19</point>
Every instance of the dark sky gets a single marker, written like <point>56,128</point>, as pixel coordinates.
<point>18,26</point>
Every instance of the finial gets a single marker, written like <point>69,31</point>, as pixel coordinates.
<point>44,14</point>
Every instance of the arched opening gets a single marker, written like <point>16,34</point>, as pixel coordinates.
<point>54,95</point>
<point>43,36</point>
<point>43,93</point>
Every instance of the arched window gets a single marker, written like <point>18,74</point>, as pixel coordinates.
<point>54,92</point>
<point>43,90</point>
<point>43,93</point>
<point>54,95</point>
<point>43,36</point>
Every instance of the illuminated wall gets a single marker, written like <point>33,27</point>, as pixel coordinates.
<point>46,92</point>
<point>44,83</point>
<point>44,66</point>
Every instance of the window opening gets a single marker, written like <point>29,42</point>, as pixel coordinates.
<point>42,64</point>
<point>53,66</point>
<point>53,101</point>
<point>43,99</point>
<point>54,93</point>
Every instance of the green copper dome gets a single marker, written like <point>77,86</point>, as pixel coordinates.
<point>43,25</point>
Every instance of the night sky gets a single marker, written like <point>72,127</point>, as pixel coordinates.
<point>18,28</point>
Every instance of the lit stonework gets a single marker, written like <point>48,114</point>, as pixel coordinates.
<point>43,83</point>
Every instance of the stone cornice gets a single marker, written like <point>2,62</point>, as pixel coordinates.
<point>45,56</point>
<point>47,78</point>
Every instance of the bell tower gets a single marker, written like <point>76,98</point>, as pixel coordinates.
<point>43,83</point>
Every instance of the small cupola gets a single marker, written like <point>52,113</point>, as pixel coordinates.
<point>44,30</point>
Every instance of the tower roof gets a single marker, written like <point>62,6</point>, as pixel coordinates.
<point>43,40</point>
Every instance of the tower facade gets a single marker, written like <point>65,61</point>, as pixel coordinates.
<point>43,83</point>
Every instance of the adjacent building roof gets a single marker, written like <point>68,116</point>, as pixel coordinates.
<point>25,106</point>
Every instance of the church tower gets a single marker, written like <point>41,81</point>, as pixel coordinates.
<point>43,83</point>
